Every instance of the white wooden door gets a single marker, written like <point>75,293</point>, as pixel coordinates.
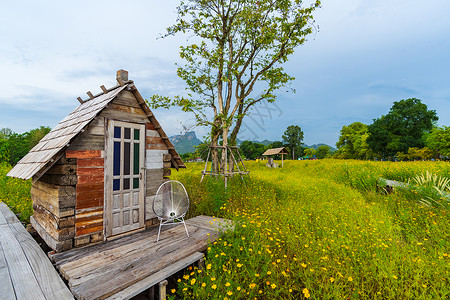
<point>124,180</point>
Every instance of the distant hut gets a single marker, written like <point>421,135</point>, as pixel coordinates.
<point>275,151</point>
<point>95,174</point>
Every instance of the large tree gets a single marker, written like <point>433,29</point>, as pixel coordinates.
<point>293,137</point>
<point>353,141</point>
<point>236,59</point>
<point>439,140</point>
<point>402,128</point>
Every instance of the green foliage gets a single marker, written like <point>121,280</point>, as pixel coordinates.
<point>16,194</point>
<point>309,152</point>
<point>18,145</point>
<point>4,150</point>
<point>403,127</point>
<point>353,141</point>
<point>439,140</point>
<point>323,151</point>
<point>252,150</point>
<point>293,137</point>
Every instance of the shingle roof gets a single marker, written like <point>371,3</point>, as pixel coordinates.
<point>276,151</point>
<point>51,147</point>
<point>48,148</point>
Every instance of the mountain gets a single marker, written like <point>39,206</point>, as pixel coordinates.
<point>185,143</point>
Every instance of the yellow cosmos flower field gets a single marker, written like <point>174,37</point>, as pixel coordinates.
<point>324,229</point>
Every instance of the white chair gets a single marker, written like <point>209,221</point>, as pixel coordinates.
<point>171,204</point>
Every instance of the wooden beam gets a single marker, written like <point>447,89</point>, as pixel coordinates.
<point>90,94</point>
<point>80,100</point>
<point>104,89</point>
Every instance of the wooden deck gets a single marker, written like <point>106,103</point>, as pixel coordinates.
<point>25,270</point>
<point>126,266</point>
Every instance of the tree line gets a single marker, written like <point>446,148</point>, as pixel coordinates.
<point>14,146</point>
<point>291,140</point>
<point>408,132</point>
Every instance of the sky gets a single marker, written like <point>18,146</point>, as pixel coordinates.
<point>365,55</point>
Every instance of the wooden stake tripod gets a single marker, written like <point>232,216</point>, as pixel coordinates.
<point>226,170</point>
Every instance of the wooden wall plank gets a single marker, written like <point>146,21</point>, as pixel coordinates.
<point>84,154</point>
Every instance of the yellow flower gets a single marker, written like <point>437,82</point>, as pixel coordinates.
<point>227,284</point>
<point>214,286</point>
<point>273,285</point>
<point>268,272</point>
<point>238,288</point>
<point>303,265</point>
<point>229,293</point>
<point>306,293</point>
<point>252,285</point>
<point>213,278</point>
<point>395,277</point>
<point>173,291</point>
<point>239,265</point>
<point>350,279</point>
<point>331,279</point>
<point>186,277</point>
<point>203,284</point>
<point>193,281</point>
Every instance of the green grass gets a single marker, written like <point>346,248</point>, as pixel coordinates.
<point>320,229</point>
<point>16,194</point>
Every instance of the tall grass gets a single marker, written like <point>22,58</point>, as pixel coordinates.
<point>16,194</point>
<point>320,230</point>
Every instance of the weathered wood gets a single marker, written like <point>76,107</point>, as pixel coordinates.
<point>6,286</point>
<point>62,169</point>
<point>50,224</point>
<point>155,143</point>
<point>84,154</point>
<point>59,179</point>
<point>49,281</point>
<point>57,211</point>
<point>106,280</point>
<point>124,116</point>
<point>167,172</point>
<point>22,276</point>
<point>167,157</point>
<point>124,108</point>
<point>151,280</point>
<point>52,220</point>
<point>131,264</point>
<point>58,246</point>
<point>86,141</point>
<point>154,178</point>
<point>162,289</point>
<point>53,196</point>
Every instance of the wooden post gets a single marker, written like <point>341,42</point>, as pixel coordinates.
<point>201,264</point>
<point>162,289</point>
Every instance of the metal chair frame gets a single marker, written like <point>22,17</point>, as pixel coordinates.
<point>172,219</point>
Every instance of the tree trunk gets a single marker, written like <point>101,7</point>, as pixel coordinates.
<point>223,160</point>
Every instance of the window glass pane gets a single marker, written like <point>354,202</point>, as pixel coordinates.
<point>136,159</point>
<point>117,132</point>
<point>136,134</point>
<point>116,184</point>
<point>135,183</point>
<point>126,158</point>
<point>126,183</point>
<point>116,159</point>
<point>127,133</point>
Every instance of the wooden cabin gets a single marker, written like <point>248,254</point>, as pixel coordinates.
<point>95,174</point>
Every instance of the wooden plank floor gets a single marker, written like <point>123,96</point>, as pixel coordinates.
<point>102,270</point>
<point>25,270</point>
